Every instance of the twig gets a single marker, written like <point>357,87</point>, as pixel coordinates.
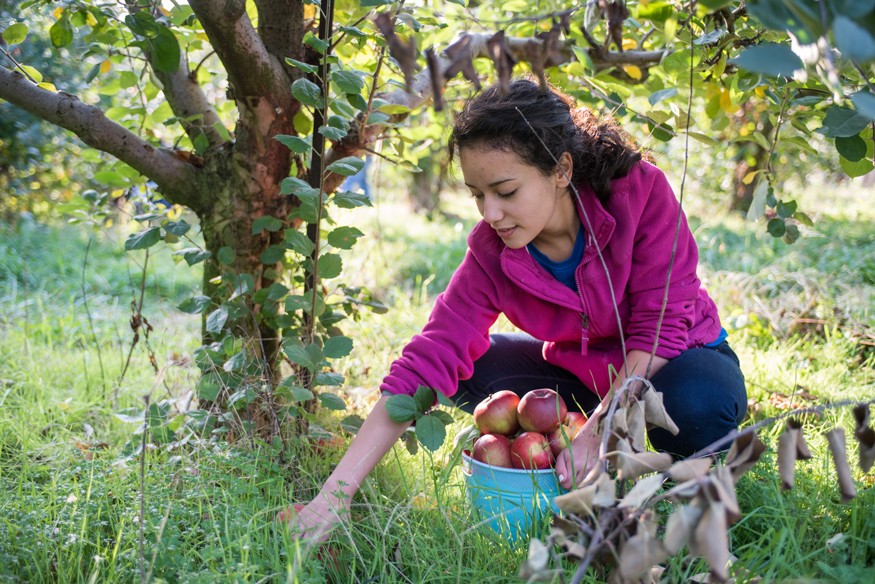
<point>91,321</point>
<point>731,436</point>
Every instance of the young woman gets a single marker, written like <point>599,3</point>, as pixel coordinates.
<point>583,279</point>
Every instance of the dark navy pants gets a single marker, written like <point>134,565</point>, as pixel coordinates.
<point>703,389</point>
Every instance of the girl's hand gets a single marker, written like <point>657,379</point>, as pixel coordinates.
<point>315,520</point>
<point>575,462</point>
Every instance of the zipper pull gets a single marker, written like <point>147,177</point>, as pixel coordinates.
<point>584,333</point>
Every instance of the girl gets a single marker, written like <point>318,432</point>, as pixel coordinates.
<point>583,278</point>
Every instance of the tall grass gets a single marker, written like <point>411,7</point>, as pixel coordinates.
<point>799,316</point>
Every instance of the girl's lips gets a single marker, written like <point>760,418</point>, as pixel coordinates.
<point>505,233</point>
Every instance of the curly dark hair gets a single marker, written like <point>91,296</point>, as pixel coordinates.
<point>599,148</point>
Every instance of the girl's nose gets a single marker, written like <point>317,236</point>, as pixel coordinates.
<point>492,212</point>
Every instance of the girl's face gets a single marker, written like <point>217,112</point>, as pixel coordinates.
<point>517,200</point>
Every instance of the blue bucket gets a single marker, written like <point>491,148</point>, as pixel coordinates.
<point>512,502</point>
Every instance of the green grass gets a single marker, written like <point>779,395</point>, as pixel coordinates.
<point>799,316</point>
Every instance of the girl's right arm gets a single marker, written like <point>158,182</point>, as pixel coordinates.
<point>373,440</point>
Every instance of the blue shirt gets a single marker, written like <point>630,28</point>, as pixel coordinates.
<point>564,270</point>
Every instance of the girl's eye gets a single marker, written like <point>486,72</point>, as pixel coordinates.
<point>477,196</point>
<point>507,195</point>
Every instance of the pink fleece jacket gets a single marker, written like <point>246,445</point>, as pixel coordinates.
<point>634,232</point>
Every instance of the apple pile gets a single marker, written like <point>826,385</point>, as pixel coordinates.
<point>527,433</point>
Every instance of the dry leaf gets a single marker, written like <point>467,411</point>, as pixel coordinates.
<point>711,539</point>
<point>404,52</point>
<point>802,452</point>
<point>539,555</point>
<point>636,425</point>
<point>434,75</point>
<point>576,501</point>
<point>680,526</point>
<point>639,554</point>
<point>787,457</point>
<point>631,465</point>
<point>654,411</point>
<point>461,59</point>
<point>606,491</point>
<point>866,438</point>
<point>724,488</point>
<point>861,416</point>
<point>689,469</point>
<point>745,451</point>
<point>502,58</point>
<point>643,490</point>
<point>836,439</point>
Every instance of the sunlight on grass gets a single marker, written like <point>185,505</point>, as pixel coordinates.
<point>800,318</point>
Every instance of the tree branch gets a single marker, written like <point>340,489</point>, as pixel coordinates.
<point>281,26</point>
<point>252,70</point>
<point>421,87</point>
<point>176,178</point>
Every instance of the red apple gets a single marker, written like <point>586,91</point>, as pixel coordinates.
<point>531,450</point>
<point>493,449</point>
<point>541,410</point>
<point>561,438</point>
<point>575,420</point>
<point>497,414</point>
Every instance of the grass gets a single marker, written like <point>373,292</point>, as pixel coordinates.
<point>799,316</point>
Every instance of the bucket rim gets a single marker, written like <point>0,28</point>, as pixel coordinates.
<point>466,456</point>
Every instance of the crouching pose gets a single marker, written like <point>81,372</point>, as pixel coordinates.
<point>583,279</point>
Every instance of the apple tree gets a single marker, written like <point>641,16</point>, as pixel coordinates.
<point>251,113</point>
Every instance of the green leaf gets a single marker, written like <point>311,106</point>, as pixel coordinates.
<point>443,416</point>
<point>372,3</point>
<point>298,187</point>
<point>710,37</point>
<point>332,133</point>
<point>131,415</point>
<point>332,402</point>
<point>658,96</point>
<point>193,255</point>
<point>61,32</point>
<point>208,387</point>
<point>294,143</point>
<point>328,378</point>
<point>776,227</point>
<point>346,166</point>
<point>243,284</point>
<point>402,408</point>
<point>865,104</point>
<point>300,394</point>
<point>276,291</point>
<point>305,67</point>
<point>226,255</point>
<point>143,239</point>
<point>852,40</point>
<point>195,305</point>
<point>15,33</point>
<point>424,397</point>
<point>344,237</point>
<point>861,167</point>
<point>165,51</point>
<point>851,148</point>
<point>352,423</point>
<point>216,320</point>
<point>179,228</point>
<point>444,400</point>
<point>841,122</point>
<point>431,432</point>
<point>298,354</point>
<point>266,222</point>
<point>769,59</point>
<point>298,242</point>
<point>307,92</point>
<point>347,81</point>
<point>272,255</point>
<point>330,266</point>
<point>337,347</point>
<point>393,109</point>
<point>803,219</point>
<point>111,178</point>
<point>311,40</point>
<point>410,443</point>
<point>236,362</point>
<point>350,200</point>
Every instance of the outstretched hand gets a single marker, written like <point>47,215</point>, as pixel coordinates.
<point>575,462</point>
<point>315,520</point>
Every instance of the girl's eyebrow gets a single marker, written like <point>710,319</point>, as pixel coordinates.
<point>492,184</point>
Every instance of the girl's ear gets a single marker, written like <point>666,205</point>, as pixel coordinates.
<point>564,170</point>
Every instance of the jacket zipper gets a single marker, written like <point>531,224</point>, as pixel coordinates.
<point>584,319</point>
